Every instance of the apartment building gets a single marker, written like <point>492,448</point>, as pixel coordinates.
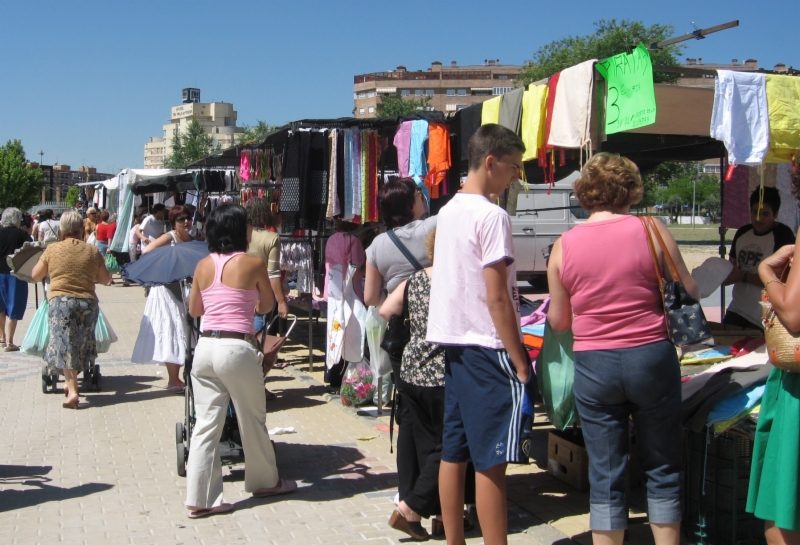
<point>217,118</point>
<point>59,178</point>
<point>707,79</point>
<point>450,88</point>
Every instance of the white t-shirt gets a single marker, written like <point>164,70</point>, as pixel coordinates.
<point>472,233</point>
<point>152,228</point>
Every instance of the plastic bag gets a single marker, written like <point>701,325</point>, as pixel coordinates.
<point>556,374</point>
<point>358,385</point>
<point>103,334</point>
<point>38,334</point>
<point>111,263</point>
<point>378,357</point>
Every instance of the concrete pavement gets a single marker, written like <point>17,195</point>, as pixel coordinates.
<point>107,472</point>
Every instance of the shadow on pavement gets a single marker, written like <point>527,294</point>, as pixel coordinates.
<point>324,473</point>
<point>123,389</point>
<point>294,398</point>
<point>34,476</point>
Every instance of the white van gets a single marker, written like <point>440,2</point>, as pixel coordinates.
<point>540,220</point>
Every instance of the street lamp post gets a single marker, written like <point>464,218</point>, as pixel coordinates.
<point>694,198</point>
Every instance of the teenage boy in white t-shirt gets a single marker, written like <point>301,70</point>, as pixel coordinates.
<point>474,313</point>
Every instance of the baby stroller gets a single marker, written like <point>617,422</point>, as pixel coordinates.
<point>231,451</point>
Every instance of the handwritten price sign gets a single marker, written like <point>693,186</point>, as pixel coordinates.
<point>631,99</point>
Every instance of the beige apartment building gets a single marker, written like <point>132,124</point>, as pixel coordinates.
<point>450,88</point>
<point>707,80</point>
<point>218,119</point>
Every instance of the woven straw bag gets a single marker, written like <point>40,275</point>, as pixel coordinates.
<point>783,346</point>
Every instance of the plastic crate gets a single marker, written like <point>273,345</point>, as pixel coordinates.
<point>717,476</point>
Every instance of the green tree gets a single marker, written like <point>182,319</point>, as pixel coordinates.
<point>190,146</point>
<point>713,205</point>
<point>20,183</point>
<point>610,38</point>
<point>71,198</point>
<point>260,129</point>
<point>397,107</point>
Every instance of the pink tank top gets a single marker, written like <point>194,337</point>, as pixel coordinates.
<point>608,272</point>
<point>228,309</point>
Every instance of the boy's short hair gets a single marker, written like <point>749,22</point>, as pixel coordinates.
<point>494,140</point>
<point>772,198</point>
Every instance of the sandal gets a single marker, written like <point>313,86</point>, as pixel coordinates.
<point>11,348</point>
<point>285,486</point>
<point>179,390</point>
<point>218,510</point>
<point>414,529</point>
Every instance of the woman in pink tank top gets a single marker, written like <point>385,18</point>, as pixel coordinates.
<point>227,366</point>
<point>602,284</point>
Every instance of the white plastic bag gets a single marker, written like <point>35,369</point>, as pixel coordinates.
<point>378,357</point>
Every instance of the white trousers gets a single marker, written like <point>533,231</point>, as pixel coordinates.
<point>225,369</point>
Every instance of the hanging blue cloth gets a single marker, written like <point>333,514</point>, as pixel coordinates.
<point>418,156</point>
<point>348,174</point>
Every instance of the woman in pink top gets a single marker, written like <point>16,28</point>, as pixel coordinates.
<point>228,284</point>
<point>603,285</point>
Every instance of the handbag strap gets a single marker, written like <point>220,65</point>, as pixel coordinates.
<point>672,266</point>
<point>652,247</point>
<point>404,250</point>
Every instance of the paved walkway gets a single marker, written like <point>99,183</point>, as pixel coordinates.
<point>107,472</point>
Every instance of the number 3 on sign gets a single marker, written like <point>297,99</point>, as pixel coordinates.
<point>612,104</point>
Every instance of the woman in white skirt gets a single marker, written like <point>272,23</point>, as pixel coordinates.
<point>163,329</point>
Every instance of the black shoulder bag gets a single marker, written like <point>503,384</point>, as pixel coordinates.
<point>398,331</point>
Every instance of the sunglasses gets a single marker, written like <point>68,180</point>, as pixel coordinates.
<point>183,218</point>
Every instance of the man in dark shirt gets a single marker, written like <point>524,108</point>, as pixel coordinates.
<point>13,291</point>
<point>751,244</point>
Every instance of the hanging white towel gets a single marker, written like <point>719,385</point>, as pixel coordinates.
<point>740,118</point>
<point>572,109</point>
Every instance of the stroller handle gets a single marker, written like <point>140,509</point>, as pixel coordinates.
<point>291,317</point>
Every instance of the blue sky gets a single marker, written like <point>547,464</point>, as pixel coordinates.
<point>88,82</point>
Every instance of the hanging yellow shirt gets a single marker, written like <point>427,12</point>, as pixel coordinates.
<point>534,108</point>
<point>783,97</point>
<point>491,111</point>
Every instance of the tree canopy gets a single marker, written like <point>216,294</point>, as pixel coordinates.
<point>255,132</point>
<point>398,107</point>
<point>610,38</point>
<point>71,198</point>
<point>190,146</point>
<point>20,183</point>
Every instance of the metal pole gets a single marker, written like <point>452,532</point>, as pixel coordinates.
<point>722,249</point>
<point>694,198</point>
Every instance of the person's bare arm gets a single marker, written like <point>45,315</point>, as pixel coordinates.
<point>559,313</point>
<point>280,297</point>
<point>785,299</point>
<point>201,280</point>
<point>373,286</point>
<point>504,317</point>
<point>163,240</point>
<point>103,276</point>
<point>393,303</point>
<point>266,298</point>
<point>39,271</point>
<point>683,273</point>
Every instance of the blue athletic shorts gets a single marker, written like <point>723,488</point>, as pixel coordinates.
<point>483,407</point>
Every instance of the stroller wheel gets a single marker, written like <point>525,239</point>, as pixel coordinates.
<point>45,380</point>
<point>97,379</point>
<point>181,459</point>
<point>179,432</point>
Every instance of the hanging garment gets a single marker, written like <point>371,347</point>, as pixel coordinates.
<point>783,97</point>
<point>244,165</point>
<point>290,191</point>
<point>534,113</point>
<point>736,199</point>
<point>349,147</point>
<point>418,161</point>
<point>335,321</point>
<point>338,205</point>
<point>402,141</point>
<point>313,180</point>
<point>331,175</point>
<point>355,320</point>
<point>438,156</point>
<point>373,177</point>
<point>552,86</point>
<point>511,109</point>
<point>365,150</point>
<point>740,118</point>
<point>356,182</point>
<point>572,108</point>
<point>470,123</point>
<point>491,110</point>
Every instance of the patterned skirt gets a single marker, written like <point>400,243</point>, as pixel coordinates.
<point>72,343</point>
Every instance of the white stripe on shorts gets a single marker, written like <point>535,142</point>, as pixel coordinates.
<point>517,393</point>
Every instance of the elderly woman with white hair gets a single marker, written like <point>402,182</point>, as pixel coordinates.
<point>13,291</point>
<point>73,267</point>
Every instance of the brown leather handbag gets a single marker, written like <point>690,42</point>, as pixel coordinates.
<point>783,345</point>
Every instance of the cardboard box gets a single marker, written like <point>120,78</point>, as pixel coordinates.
<point>567,459</point>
